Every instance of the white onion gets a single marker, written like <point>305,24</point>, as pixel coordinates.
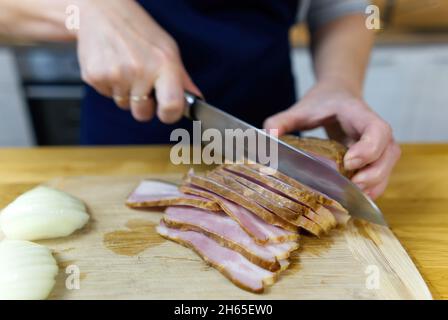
<point>27,270</point>
<point>43,213</point>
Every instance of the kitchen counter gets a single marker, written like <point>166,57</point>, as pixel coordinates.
<point>415,204</point>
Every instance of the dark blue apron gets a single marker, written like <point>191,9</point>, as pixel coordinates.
<point>237,53</point>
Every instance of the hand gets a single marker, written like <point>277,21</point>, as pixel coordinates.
<point>348,119</point>
<point>125,54</point>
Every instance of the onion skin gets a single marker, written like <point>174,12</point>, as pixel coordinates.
<point>27,270</point>
<point>43,213</point>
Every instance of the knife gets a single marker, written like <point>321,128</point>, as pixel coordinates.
<point>293,162</point>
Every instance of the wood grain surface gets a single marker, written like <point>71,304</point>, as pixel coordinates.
<point>414,204</point>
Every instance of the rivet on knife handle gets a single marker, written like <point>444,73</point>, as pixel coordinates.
<point>190,100</point>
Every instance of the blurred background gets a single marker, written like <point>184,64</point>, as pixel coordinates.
<point>407,82</point>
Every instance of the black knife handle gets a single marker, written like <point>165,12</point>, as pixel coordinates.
<point>190,101</point>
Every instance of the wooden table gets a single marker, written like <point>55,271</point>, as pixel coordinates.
<point>415,204</point>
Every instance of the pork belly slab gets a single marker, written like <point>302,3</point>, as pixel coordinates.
<point>151,193</point>
<point>261,231</point>
<point>230,263</point>
<point>328,151</point>
<point>228,233</point>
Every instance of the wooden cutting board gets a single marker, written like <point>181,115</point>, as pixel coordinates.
<point>120,256</point>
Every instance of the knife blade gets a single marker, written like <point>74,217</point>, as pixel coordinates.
<point>293,162</point>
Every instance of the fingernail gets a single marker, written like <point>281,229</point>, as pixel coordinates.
<point>353,163</point>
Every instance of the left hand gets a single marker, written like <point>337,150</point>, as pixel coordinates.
<point>347,119</point>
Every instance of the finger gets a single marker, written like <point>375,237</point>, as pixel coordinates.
<point>142,105</point>
<point>379,171</point>
<point>121,98</point>
<point>170,96</point>
<point>374,139</point>
<point>292,119</point>
<point>97,81</point>
<point>377,190</point>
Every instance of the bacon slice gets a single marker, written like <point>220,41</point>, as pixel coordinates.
<point>258,229</point>
<point>231,264</point>
<point>285,213</point>
<point>337,213</point>
<point>228,233</point>
<point>324,219</point>
<point>275,185</point>
<point>277,191</point>
<point>151,193</point>
<point>241,200</point>
<point>320,197</point>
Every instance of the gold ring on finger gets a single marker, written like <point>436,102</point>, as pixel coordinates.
<point>139,98</point>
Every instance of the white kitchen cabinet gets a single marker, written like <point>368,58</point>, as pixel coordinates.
<point>406,85</point>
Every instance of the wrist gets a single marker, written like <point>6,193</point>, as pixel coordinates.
<point>341,83</point>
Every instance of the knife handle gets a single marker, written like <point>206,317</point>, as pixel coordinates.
<point>190,101</point>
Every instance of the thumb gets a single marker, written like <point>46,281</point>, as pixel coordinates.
<point>292,119</point>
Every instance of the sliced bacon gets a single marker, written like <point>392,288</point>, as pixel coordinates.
<point>275,185</point>
<point>336,213</point>
<point>151,193</point>
<point>258,229</point>
<point>228,233</point>
<point>231,264</point>
<point>281,193</point>
<point>329,151</point>
<point>229,194</point>
<point>323,218</point>
<point>293,217</point>
<point>320,197</point>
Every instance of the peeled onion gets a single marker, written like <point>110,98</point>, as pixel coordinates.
<point>43,213</point>
<point>27,270</point>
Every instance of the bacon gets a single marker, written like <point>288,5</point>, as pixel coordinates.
<point>336,213</point>
<point>275,185</point>
<point>231,264</point>
<point>239,199</point>
<point>258,229</point>
<point>228,233</point>
<point>150,193</point>
<point>328,151</point>
<point>281,193</point>
<point>285,213</point>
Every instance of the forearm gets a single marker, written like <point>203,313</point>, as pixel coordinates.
<point>341,51</point>
<point>36,20</point>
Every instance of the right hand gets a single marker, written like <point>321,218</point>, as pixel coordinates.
<point>125,54</point>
